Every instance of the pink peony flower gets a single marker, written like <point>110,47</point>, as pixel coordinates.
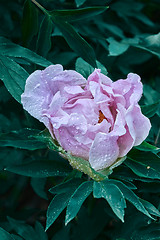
<point>97,120</point>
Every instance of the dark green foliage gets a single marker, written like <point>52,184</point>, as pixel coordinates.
<point>39,189</point>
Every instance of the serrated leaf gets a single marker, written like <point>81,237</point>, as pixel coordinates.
<point>113,196</point>
<point>5,235</point>
<point>150,110</point>
<point>23,139</point>
<point>77,199</point>
<point>44,36</point>
<point>41,169</point>
<point>86,69</point>
<point>13,76</point>
<point>76,14</point>
<point>131,197</point>
<point>10,49</point>
<point>59,203</point>
<point>29,22</point>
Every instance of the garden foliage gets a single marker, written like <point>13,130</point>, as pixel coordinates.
<point>42,196</point>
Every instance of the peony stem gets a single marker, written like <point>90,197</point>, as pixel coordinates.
<point>40,6</point>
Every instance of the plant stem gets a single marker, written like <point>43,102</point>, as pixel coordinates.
<point>40,6</point>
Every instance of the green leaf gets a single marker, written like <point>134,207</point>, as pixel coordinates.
<point>76,42</point>
<point>38,185</point>
<point>143,164</point>
<point>86,69</point>
<point>44,36</point>
<point>16,237</point>
<point>113,196</point>
<point>10,49</point>
<point>42,235</point>
<point>77,199</point>
<point>131,197</point>
<point>150,208</point>
<point>5,235</point>
<point>144,146</point>
<point>23,139</point>
<point>59,203</point>
<point>142,169</point>
<point>13,76</point>
<point>116,48</point>
<point>76,14</point>
<point>149,231</point>
<point>24,230</point>
<point>151,109</point>
<point>41,169</point>
<point>29,22</point>
<point>150,44</point>
<point>65,186</point>
<point>79,2</point>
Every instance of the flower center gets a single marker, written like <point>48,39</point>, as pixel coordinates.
<point>101,117</point>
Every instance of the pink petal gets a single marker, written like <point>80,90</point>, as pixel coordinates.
<point>67,134</point>
<point>104,151</point>
<point>138,125</point>
<point>125,143</point>
<point>41,86</point>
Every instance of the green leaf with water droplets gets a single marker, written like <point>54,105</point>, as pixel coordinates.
<point>147,147</point>
<point>113,196</point>
<point>23,138</point>
<point>143,169</point>
<point>41,169</point>
<point>60,201</point>
<point>13,76</point>
<point>10,49</point>
<point>77,199</point>
<point>65,186</point>
<point>130,196</point>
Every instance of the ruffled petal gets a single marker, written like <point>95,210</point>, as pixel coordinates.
<point>138,125</point>
<point>42,86</point>
<point>131,88</point>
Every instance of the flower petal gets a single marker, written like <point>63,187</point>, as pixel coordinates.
<point>104,151</point>
<point>138,125</point>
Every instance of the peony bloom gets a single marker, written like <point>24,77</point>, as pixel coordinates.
<point>95,119</point>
